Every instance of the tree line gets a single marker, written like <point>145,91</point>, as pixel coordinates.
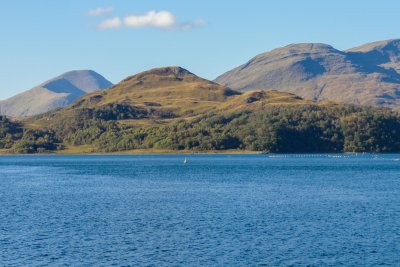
<point>275,129</point>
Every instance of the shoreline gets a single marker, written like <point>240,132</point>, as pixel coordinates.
<point>76,152</point>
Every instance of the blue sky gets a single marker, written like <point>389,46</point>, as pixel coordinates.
<point>117,38</point>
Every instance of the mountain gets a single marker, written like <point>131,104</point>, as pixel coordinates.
<point>366,75</point>
<point>55,93</point>
<point>172,109</point>
<point>169,93</point>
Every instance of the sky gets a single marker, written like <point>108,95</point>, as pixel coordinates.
<point>41,39</point>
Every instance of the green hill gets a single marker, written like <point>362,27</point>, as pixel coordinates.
<point>171,109</point>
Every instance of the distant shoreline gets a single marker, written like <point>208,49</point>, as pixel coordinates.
<point>73,152</point>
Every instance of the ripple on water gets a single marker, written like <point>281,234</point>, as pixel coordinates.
<point>240,210</point>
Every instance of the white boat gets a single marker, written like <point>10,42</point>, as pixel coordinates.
<point>185,161</point>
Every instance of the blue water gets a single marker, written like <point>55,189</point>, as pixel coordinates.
<point>219,210</point>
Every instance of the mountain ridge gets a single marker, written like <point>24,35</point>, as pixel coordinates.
<point>366,75</point>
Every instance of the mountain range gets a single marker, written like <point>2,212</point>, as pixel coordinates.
<point>55,93</point>
<point>366,75</point>
<point>172,109</point>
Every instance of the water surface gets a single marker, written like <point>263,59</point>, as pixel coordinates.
<point>219,210</point>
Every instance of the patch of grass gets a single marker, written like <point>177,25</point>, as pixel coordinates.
<point>70,150</point>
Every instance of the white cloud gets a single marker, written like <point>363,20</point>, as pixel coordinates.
<point>113,23</point>
<point>100,11</point>
<point>152,19</point>
<point>162,19</point>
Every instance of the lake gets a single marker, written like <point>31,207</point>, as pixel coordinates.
<point>218,210</point>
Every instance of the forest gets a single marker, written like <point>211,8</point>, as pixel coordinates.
<point>17,139</point>
<point>276,129</point>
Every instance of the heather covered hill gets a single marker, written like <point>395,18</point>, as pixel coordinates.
<point>171,109</point>
<point>165,94</point>
<point>55,93</point>
<point>367,75</point>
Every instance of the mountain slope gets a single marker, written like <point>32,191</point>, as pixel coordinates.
<point>172,109</point>
<point>165,94</point>
<point>55,93</point>
<point>367,75</point>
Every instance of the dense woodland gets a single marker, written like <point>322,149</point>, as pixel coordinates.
<point>291,129</point>
<point>277,129</point>
<point>15,138</point>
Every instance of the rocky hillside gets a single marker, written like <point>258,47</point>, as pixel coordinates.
<point>55,93</point>
<point>367,75</point>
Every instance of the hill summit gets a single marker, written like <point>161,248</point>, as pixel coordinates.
<point>171,93</point>
<point>166,88</point>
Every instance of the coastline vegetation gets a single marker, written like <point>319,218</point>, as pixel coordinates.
<point>276,129</point>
